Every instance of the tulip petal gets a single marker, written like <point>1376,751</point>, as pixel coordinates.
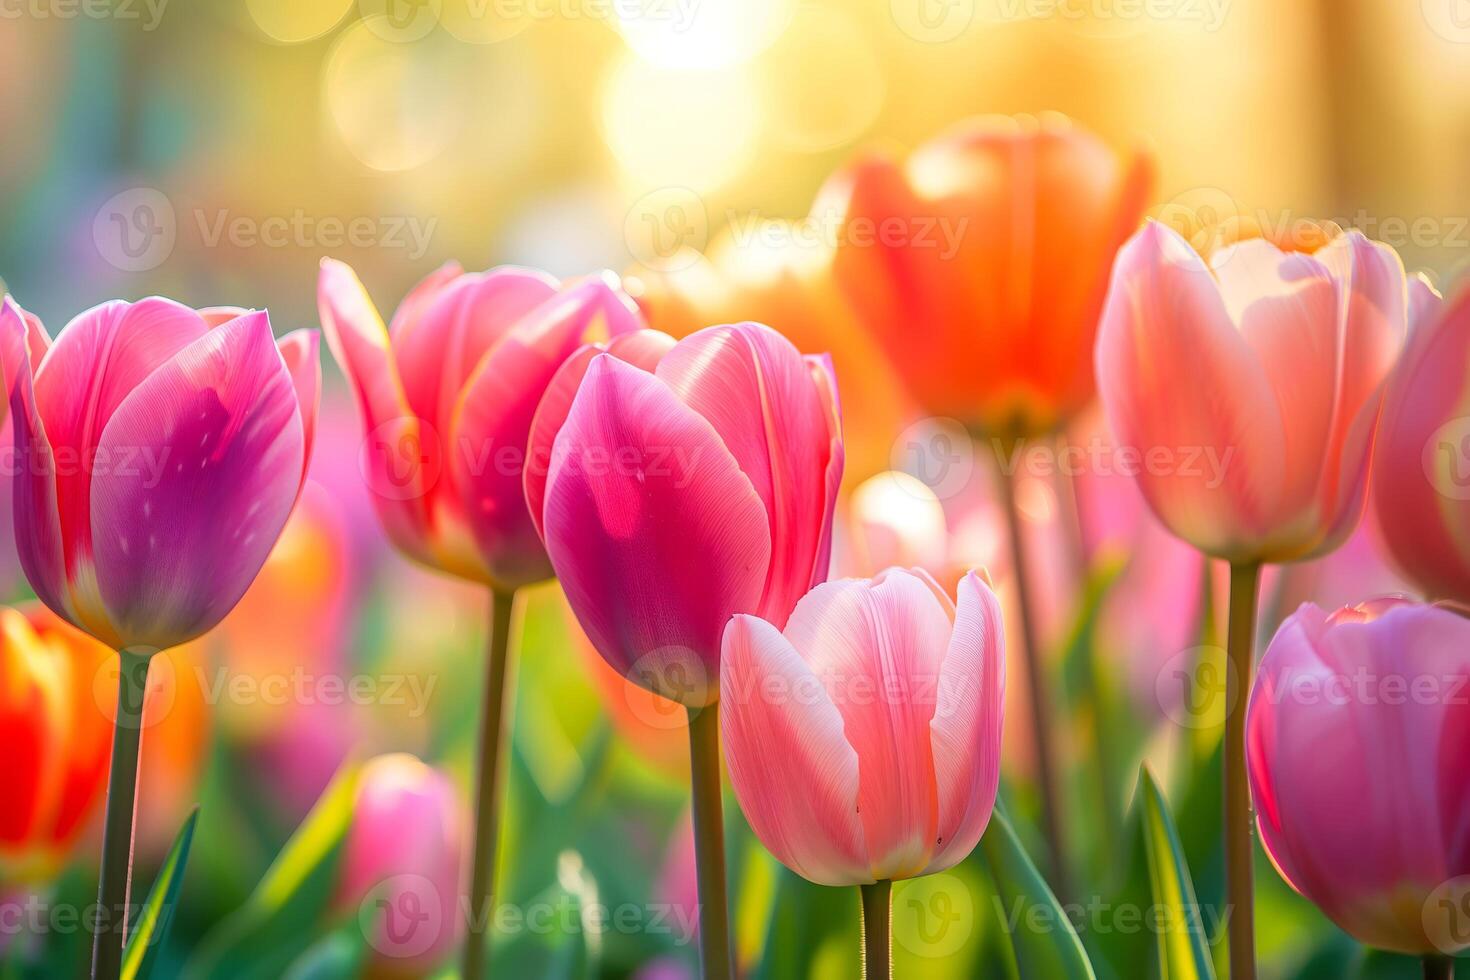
<point>642,349</point>
<point>878,647</point>
<point>301,352</point>
<point>221,423</point>
<point>967,723</point>
<point>826,378</point>
<point>1165,319</point>
<point>437,351</point>
<point>792,769</point>
<point>657,536</point>
<point>491,424</point>
<point>37,521</point>
<point>23,343</point>
<point>785,448</point>
<point>421,296</point>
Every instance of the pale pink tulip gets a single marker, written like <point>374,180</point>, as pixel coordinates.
<point>161,450</point>
<point>864,740</point>
<point>401,863</point>
<point>1247,389</point>
<point>447,395</point>
<point>686,482</point>
<point>1421,475</point>
<point>1356,737</point>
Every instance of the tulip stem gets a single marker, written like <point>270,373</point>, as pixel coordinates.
<point>487,788</point>
<point>709,842</point>
<point>1438,967</point>
<point>1240,647</point>
<point>1039,687</point>
<point>877,930</point>
<point>117,838</point>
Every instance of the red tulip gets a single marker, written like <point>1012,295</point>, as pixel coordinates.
<point>864,740</point>
<point>1356,737</point>
<point>980,264</point>
<point>685,483</point>
<point>447,396</point>
<point>1247,389</point>
<point>161,451</point>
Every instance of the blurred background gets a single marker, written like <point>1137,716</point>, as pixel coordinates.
<point>214,150</point>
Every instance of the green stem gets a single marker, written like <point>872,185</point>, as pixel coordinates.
<point>1240,645</point>
<point>117,836</point>
<point>709,842</point>
<point>1438,967</point>
<point>487,787</point>
<point>877,930</point>
<point>1038,685</point>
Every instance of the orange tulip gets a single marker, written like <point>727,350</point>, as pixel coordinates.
<point>54,766</point>
<point>980,264</point>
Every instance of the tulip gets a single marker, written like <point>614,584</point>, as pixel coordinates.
<point>161,451</point>
<point>864,739</point>
<point>1421,485</point>
<point>447,395</point>
<point>980,264</point>
<point>1356,734</point>
<point>56,742</point>
<point>401,864</point>
<point>1268,366</point>
<point>686,482</point>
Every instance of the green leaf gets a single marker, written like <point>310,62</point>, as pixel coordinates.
<point>1043,939</point>
<point>277,923</point>
<point>813,932</point>
<point>1184,952</point>
<point>337,956</point>
<point>150,932</point>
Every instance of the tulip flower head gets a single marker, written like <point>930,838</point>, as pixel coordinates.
<point>162,449</point>
<point>1246,389</point>
<point>447,394</point>
<point>54,767</point>
<point>1421,470</point>
<point>863,740</point>
<point>1356,735</point>
<point>980,264</point>
<point>687,482</point>
<point>401,863</point>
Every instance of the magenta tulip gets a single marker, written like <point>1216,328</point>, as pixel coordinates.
<point>161,450</point>
<point>447,396</point>
<point>401,864</point>
<point>1357,730</point>
<point>685,483</point>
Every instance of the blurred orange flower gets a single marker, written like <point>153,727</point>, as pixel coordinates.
<point>980,264</point>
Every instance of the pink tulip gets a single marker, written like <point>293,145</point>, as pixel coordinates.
<point>864,741</point>
<point>1356,737</point>
<point>447,395</point>
<point>401,862</point>
<point>1421,476</point>
<point>161,450</point>
<point>686,482</point>
<point>1248,388</point>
